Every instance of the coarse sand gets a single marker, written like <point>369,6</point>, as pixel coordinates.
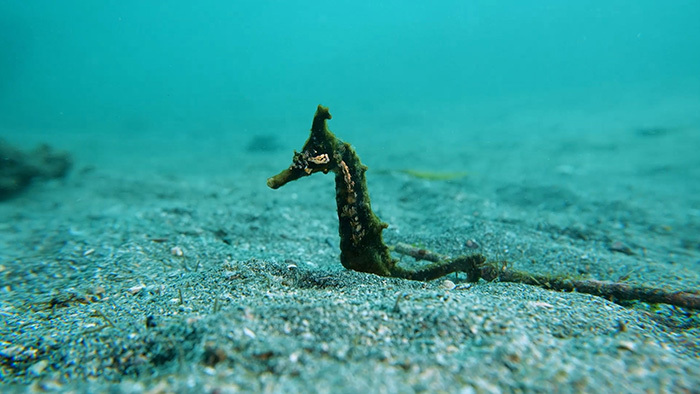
<point>162,281</point>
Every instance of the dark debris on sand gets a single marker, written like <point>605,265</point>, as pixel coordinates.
<point>18,168</point>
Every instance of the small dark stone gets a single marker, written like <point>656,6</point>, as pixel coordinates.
<point>213,355</point>
<point>150,321</point>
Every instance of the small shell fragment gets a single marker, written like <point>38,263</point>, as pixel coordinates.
<point>541,304</point>
<point>472,244</point>
<point>136,289</point>
<point>621,247</point>
<point>177,251</point>
<point>626,345</point>
<point>249,333</point>
<point>448,284</point>
<point>37,368</point>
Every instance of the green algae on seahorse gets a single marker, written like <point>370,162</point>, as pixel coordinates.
<point>361,245</point>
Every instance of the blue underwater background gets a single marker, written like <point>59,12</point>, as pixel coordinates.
<point>181,85</point>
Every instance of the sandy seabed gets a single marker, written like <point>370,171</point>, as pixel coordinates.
<point>162,281</point>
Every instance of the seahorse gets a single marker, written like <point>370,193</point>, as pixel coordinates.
<point>362,247</point>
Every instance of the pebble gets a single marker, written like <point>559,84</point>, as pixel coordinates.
<point>50,385</point>
<point>177,251</point>
<point>626,345</point>
<point>448,284</point>
<point>136,289</point>
<point>249,333</point>
<point>37,368</point>
<point>621,247</point>
<point>98,291</point>
<point>472,244</point>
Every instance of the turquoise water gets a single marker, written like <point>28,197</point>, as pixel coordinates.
<point>573,128</point>
<point>109,72</point>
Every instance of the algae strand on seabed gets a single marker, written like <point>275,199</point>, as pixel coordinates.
<point>363,249</point>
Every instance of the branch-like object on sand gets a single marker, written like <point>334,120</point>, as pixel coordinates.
<point>361,245</point>
<point>612,290</point>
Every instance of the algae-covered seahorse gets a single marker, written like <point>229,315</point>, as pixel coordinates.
<point>361,245</point>
<point>362,248</point>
